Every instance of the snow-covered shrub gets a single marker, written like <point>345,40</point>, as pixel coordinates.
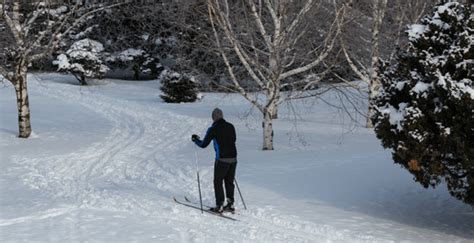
<point>140,61</point>
<point>426,104</point>
<point>178,87</point>
<point>83,60</point>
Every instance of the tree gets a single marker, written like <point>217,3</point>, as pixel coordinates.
<point>140,61</point>
<point>374,32</point>
<point>148,36</point>
<point>83,60</point>
<point>178,87</point>
<point>268,40</point>
<point>36,29</point>
<point>424,112</point>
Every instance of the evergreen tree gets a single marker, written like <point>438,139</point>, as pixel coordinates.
<point>178,87</point>
<point>425,111</point>
<point>83,60</point>
<point>142,62</point>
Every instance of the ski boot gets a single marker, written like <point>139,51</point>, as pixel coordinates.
<point>217,209</point>
<point>229,207</point>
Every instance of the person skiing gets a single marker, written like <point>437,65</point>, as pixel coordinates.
<point>222,133</point>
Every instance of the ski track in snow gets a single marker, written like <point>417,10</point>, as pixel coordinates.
<point>137,166</point>
<point>50,213</point>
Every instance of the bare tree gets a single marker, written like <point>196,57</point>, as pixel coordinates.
<point>368,73</point>
<point>37,28</point>
<point>364,46</point>
<point>269,41</point>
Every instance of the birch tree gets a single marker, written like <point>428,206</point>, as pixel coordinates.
<point>36,29</point>
<point>270,40</point>
<point>363,59</point>
<point>368,73</point>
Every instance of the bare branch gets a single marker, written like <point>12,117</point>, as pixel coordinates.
<point>328,47</point>
<point>294,24</point>
<point>244,58</point>
<point>14,24</point>
<point>242,91</point>
<point>59,33</point>
<point>276,23</point>
<point>307,85</point>
<point>29,21</point>
<point>360,73</point>
<point>259,23</point>
<point>4,72</point>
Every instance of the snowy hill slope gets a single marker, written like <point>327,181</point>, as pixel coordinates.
<point>105,161</point>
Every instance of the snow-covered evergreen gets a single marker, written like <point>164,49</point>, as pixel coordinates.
<point>142,62</point>
<point>84,59</point>
<point>426,105</point>
<point>178,87</point>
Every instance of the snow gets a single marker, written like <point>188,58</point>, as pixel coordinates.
<point>78,47</point>
<point>401,85</point>
<point>421,87</point>
<point>127,55</point>
<point>83,57</point>
<point>84,33</point>
<point>58,11</point>
<point>396,115</point>
<point>415,31</point>
<point>106,161</point>
<point>465,63</point>
<point>62,62</point>
<point>441,24</point>
<point>447,7</point>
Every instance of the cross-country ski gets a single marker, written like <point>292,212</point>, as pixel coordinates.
<point>206,209</point>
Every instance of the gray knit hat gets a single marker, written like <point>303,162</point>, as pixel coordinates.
<point>217,114</point>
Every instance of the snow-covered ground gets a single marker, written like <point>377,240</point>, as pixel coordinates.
<point>105,161</point>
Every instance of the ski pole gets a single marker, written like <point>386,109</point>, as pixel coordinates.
<point>238,189</point>
<point>199,183</point>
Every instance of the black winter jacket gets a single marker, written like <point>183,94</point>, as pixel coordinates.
<point>222,133</point>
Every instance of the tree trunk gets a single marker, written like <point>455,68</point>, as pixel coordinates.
<point>275,113</point>
<point>370,112</point>
<point>136,72</point>
<point>83,81</point>
<point>374,84</point>
<point>373,92</point>
<point>267,129</point>
<point>22,103</point>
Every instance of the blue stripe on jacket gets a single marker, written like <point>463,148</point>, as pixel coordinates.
<point>216,148</point>
<point>201,143</point>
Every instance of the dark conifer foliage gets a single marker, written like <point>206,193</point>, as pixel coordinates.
<point>177,87</point>
<point>426,105</point>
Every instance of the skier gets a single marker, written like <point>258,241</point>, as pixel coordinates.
<point>222,133</point>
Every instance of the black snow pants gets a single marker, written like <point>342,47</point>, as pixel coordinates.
<point>224,171</point>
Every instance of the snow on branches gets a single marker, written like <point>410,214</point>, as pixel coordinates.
<point>177,87</point>
<point>141,62</point>
<point>425,109</point>
<point>83,60</point>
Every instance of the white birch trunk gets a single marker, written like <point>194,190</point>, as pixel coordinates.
<point>379,13</point>
<point>23,105</point>
<point>373,92</point>
<point>275,113</point>
<point>268,129</point>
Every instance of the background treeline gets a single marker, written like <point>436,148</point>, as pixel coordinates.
<point>177,34</point>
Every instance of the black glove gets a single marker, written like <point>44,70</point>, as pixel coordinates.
<point>194,137</point>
